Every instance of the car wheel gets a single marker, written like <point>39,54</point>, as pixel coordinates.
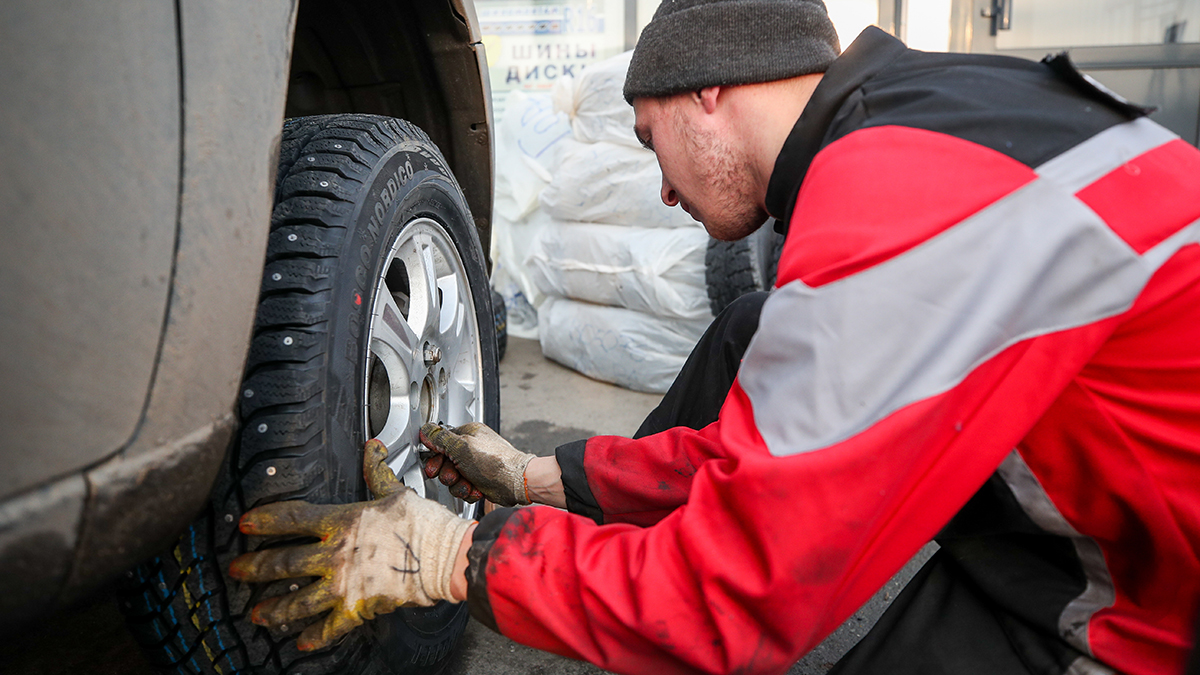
<point>374,317</point>
<point>735,268</point>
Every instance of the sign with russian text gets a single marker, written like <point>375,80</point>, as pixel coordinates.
<point>531,44</point>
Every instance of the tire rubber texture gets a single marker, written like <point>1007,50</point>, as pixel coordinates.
<point>735,268</point>
<point>346,186</point>
<point>500,312</point>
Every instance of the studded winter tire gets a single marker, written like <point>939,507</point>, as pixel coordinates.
<point>374,317</point>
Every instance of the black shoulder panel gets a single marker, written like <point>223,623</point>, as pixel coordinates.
<point>1029,111</point>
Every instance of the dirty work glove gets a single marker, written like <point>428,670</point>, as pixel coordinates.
<point>480,462</point>
<point>372,558</point>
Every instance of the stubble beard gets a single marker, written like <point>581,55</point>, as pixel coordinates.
<point>731,210</point>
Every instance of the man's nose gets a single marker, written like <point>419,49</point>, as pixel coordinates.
<point>668,194</point>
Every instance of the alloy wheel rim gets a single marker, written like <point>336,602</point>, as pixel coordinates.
<point>424,362</point>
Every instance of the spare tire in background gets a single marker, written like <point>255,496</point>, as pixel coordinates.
<point>735,268</point>
<point>375,316</point>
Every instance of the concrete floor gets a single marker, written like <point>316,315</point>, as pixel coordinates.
<point>543,405</point>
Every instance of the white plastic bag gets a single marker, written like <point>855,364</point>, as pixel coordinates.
<point>521,319</point>
<point>512,242</point>
<point>587,165</point>
<point>528,144</point>
<point>631,349</point>
<point>656,271</point>
<point>595,103</point>
<point>610,183</point>
<point>528,140</point>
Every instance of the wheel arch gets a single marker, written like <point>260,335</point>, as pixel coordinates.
<point>417,60</point>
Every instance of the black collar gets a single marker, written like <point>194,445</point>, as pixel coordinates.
<point>870,53</point>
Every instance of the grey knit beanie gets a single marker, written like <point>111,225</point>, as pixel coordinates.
<point>692,44</point>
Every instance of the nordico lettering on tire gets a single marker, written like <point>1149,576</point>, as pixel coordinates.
<point>374,317</point>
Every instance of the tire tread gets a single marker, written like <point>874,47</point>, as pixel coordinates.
<point>728,272</point>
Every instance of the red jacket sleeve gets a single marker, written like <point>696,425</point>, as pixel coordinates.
<point>641,481</point>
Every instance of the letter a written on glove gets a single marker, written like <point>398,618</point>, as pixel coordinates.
<point>372,558</point>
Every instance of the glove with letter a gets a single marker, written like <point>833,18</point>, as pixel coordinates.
<point>373,557</point>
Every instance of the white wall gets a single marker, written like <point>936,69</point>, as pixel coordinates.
<point>850,17</point>
<point>926,25</point>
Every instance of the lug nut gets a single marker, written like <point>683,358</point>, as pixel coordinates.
<point>432,354</point>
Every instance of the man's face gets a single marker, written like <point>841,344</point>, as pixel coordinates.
<point>703,170</point>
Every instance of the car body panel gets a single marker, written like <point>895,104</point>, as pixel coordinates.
<point>234,85</point>
<point>37,547</point>
<point>89,196</point>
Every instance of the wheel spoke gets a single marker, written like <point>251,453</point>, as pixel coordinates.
<point>390,328</point>
<point>392,345</point>
<point>396,431</point>
<point>429,272</point>
<point>410,473</point>
<point>394,436</point>
<point>417,254</point>
<point>450,317</point>
<point>460,401</point>
<point>403,461</point>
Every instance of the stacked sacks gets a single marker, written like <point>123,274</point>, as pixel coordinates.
<point>617,277</point>
<point>529,138</point>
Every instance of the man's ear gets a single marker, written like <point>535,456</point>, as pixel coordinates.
<point>708,98</point>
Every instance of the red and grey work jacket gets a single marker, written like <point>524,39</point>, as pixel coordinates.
<point>991,280</point>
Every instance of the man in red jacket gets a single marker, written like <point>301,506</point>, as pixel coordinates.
<point>985,331</point>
